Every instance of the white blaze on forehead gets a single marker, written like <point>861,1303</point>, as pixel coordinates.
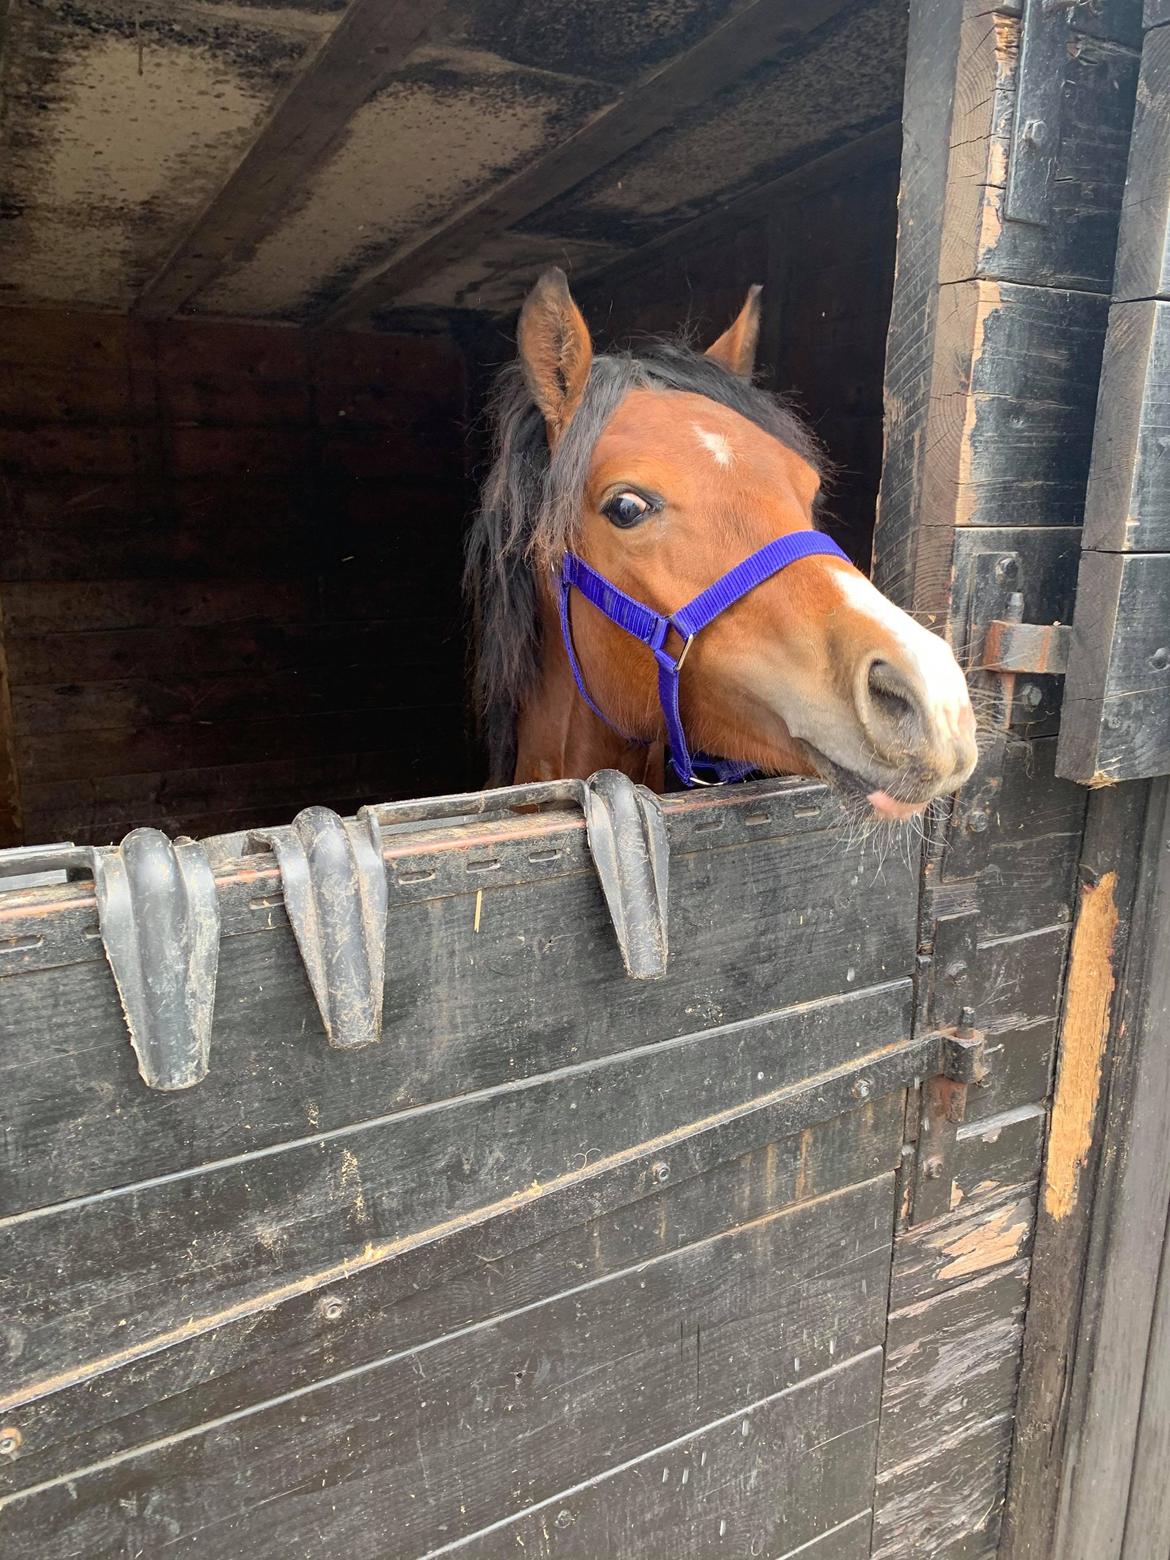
<point>930,656</point>
<point>717,444</point>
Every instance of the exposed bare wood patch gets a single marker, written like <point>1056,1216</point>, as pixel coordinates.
<point>998,1238</point>
<point>1086,1020</point>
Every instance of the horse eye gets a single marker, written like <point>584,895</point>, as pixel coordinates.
<point>626,509</point>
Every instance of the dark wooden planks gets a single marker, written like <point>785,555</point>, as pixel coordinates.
<point>596,1224</point>
<point>991,372</point>
<point>1108,869</point>
<point>1147,1517</point>
<point>1016,994</point>
<point>200,513</point>
<point>132,1266</point>
<point>446,1438</point>
<point>538,987</point>
<point>933,54</point>
<point>1117,699</point>
<point>990,1221</point>
<point>946,1419</point>
<point>1129,1225</point>
<point>1016,862</point>
<point>1143,260</point>
<point>1128,504</point>
<point>1012,401</point>
<point>786,1475</point>
<point>1116,722</point>
<point>12,817</point>
<point>1075,247</point>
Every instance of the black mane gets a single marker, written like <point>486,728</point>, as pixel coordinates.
<point>530,509</point>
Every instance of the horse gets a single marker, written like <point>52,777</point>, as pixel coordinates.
<point>624,484</point>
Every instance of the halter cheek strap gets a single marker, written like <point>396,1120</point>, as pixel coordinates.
<point>652,628</point>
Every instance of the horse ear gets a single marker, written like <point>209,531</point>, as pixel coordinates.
<point>736,348</point>
<point>555,350</point>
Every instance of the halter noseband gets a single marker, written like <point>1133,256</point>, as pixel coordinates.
<point>651,628</point>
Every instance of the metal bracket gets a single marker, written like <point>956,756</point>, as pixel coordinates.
<point>1036,127</point>
<point>942,1107</point>
<point>334,885</point>
<point>1040,649</point>
<point>626,832</point>
<point>627,840</point>
<point>158,915</point>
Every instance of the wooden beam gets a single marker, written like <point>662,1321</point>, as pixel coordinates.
<point>371,40</point>
<point>1108,1376</point>
<point>1090,1040</point>
<point>752,36</point>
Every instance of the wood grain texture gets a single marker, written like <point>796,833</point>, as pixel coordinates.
<point>475,1403</point>
<point>1127,508</point>
<point>208,533</point>
<point>1113,834</point>
<point>1008,421</point>
<point>984,309</point>
<point>946,1418</point>
<point>1116,723</point>
<point>932,60</point>
<point>1147,1518</point>
<point>331,1203</point>
<point>11,804</point>
<point>596,1225</point>
<point>785,1477</point>
<point>1143,250</point>
<point>1129,1219</point>
<point>539,987</point>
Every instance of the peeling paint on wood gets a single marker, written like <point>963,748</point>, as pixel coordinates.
<point>1086,1025</point>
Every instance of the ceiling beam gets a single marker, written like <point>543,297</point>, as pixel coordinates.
<point>759,32</point>
<point>370,41</point>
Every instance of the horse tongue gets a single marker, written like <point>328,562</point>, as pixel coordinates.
<point>886,807</point>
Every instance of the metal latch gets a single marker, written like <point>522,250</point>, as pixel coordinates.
<point>1011,646</point>
<point>942,1108</point>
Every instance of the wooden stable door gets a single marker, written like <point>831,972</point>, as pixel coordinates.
<point>731,1261</point>
<point>569,1261</point>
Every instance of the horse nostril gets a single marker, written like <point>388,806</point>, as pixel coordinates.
<point>891,698</point>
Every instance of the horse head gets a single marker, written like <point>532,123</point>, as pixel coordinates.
<point>658,474</point>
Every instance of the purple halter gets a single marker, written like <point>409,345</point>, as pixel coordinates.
<point>651,628</point>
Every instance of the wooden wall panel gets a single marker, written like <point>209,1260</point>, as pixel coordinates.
<point>229,563</point>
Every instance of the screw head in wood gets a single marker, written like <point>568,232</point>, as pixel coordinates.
<point>660,1171</point>
<point>10,1439</point>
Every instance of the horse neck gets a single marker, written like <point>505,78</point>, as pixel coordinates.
<point>558,737</point>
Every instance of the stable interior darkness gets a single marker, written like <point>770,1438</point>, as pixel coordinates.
<point>257,266</point>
